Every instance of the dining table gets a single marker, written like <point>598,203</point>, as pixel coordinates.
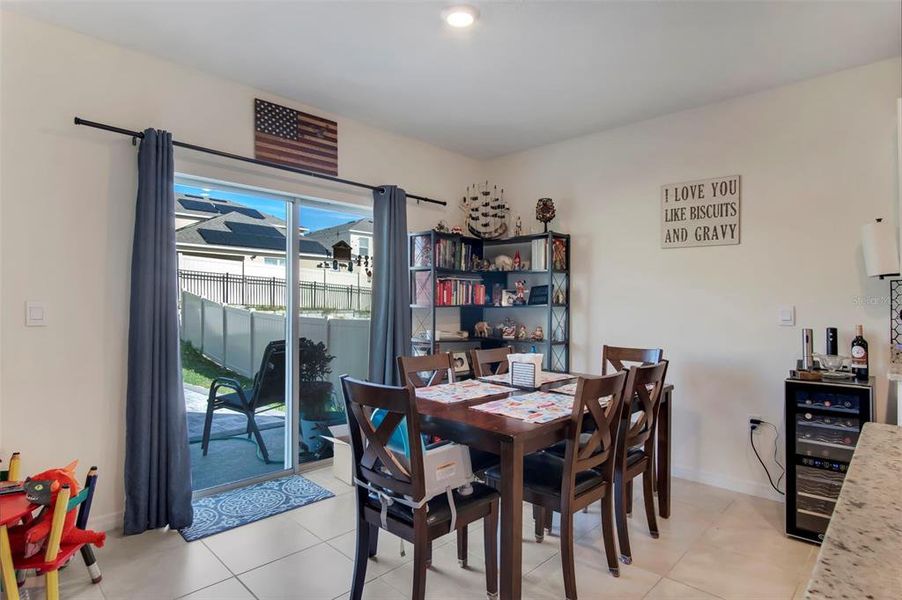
<point>13,508</point>
<point>512,439</point>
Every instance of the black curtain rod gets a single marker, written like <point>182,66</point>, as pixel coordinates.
<point>254,161</point>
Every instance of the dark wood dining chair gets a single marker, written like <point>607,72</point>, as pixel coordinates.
<point>584,475</point>
<point>616,356</point>
<point>391,489</point>
<point>620,358</point>
<point>489,362</point>
<point>437,368</point>
<point>636,448</point>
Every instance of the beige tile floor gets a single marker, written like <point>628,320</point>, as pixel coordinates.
<point>717,544</point>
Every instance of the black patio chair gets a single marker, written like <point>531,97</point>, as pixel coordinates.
<point>268,391</point>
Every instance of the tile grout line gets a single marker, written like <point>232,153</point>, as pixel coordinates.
<point>683,555</point>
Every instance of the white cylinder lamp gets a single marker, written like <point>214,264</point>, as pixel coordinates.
<point>878,243</point>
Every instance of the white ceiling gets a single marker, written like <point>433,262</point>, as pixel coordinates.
<point>527,74</point>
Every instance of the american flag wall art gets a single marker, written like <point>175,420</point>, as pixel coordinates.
<point>294,138</point>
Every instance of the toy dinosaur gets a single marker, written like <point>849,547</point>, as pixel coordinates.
<point>29,538</point>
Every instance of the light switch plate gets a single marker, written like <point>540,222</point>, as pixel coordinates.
<point>35,314</point>
<point>786,316</point>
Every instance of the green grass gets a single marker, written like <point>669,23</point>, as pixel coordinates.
<point>201,371</point>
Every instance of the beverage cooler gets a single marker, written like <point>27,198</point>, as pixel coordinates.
<point>823,422</point>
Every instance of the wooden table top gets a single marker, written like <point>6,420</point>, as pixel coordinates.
<point>13,507</point>
<point>497,426</point>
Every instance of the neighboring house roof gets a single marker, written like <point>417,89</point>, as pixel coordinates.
<point>330,235</point>
<point>209,208</point>
<point>240,233</point>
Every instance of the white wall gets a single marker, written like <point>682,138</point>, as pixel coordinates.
<point>67,217</point>
<point>817,161</point>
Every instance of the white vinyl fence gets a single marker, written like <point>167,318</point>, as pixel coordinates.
<point>235,338</point>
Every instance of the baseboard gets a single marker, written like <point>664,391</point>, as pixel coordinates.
<point>107,522</point>
<point>743,486</point>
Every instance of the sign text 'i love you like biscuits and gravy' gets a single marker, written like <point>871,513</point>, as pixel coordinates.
<point>700,213</point>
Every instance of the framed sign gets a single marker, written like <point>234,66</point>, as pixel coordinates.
<point>700,213</point>
<point>538,294</point>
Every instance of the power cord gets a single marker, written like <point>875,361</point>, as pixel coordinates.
<point>753,425</point>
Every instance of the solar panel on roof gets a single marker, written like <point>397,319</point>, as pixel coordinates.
<point>230,238</point>
<point>253,229</point>
<point>198,205</point>
<point>226,209</point>
<point>311,247</point>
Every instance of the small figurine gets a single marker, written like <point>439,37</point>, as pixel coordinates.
<point>559,255</point>
<point>518,227</point>
<point>559,296</point>
<point>481,329</point>
<point>538,334</point>
<point>521,333</point>
<point>475,263</point>
<point>520,298</point>
<point>517,263</point>
<point>503,262</point>
<point>457,230</point>
<point>442,227</point>
<point>508,329</point>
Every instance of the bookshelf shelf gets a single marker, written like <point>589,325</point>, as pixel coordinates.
<point>439,268</point>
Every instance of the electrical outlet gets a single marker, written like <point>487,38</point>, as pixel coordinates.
<point>754,421</point>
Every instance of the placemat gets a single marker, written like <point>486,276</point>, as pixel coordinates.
<point>461,391</point>
<point>541,379</point>
<point>537,407</point>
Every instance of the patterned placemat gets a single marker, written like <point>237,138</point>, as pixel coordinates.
<point>542,378</point>
<point>569,389</point>
<point>537,407</point>
<point>460,391</point>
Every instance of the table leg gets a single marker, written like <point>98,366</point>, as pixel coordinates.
<point>10,587</point>
<point>663,468</point>
<point>511,520</point>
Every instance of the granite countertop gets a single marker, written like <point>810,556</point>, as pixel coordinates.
<point>860,555</point>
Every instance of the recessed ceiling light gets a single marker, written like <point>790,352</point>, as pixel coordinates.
<point>460,16</point>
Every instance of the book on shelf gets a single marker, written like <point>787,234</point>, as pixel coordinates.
<point>453,290</point>
<point>453,254</point>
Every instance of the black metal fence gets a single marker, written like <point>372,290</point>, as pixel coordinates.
<point>270,291</point>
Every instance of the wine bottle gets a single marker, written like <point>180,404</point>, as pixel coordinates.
<point>860,354</point>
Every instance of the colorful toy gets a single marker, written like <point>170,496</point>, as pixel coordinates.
<point>27,539</point>
<point>520,286</point>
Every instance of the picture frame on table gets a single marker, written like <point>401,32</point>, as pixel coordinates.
<point>460,363</point>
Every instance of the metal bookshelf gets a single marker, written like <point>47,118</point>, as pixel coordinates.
<point>427,316</point>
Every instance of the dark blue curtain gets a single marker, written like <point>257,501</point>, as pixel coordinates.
<point>157,464</point>
<point>390,323</point>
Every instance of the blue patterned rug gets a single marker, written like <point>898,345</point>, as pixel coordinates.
<point>221,512</point>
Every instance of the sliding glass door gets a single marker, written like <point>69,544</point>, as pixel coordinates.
<point>335,272</point>
<point>258,406</point>
<point>235,294</point>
